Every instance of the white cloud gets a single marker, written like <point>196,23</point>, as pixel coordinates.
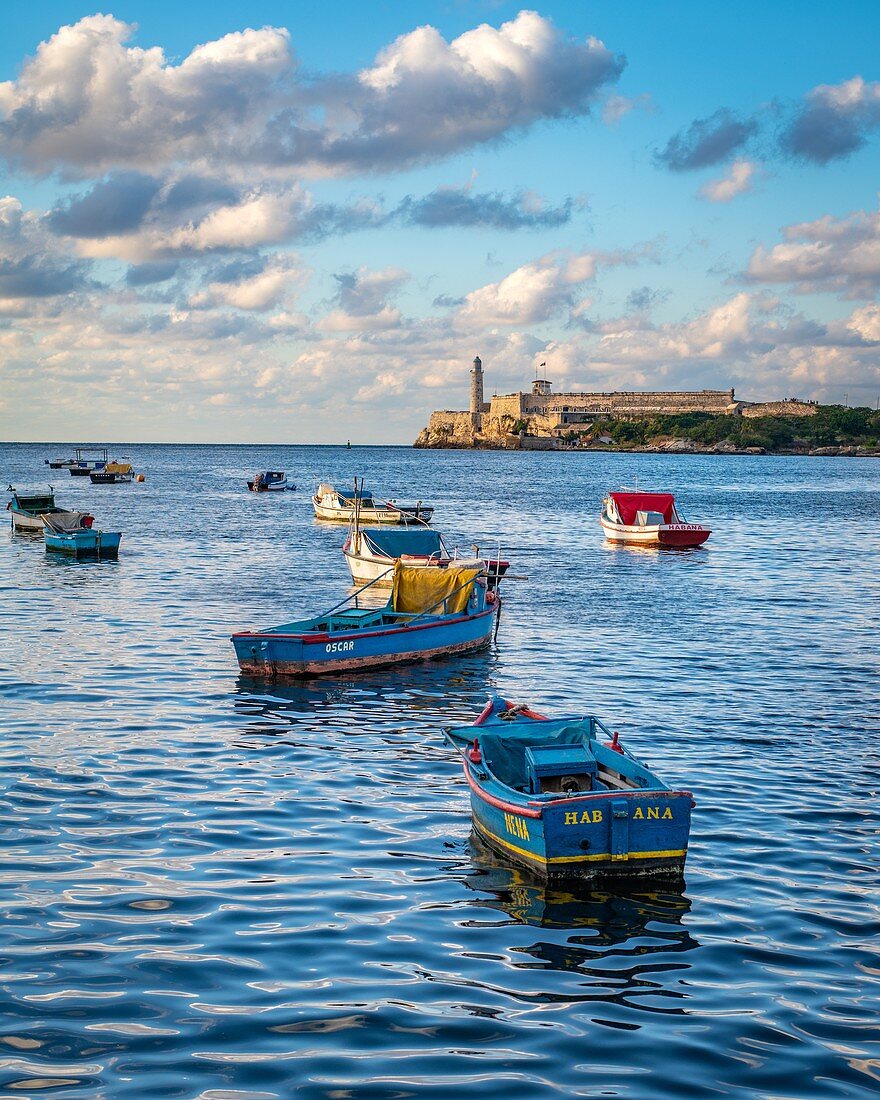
<point>531,294</point>
<point>737,181</point>
<point>271,288</point>
<point>87,103</point>
<point>841,254</point>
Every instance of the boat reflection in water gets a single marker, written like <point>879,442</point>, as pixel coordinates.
<point>653,917</point>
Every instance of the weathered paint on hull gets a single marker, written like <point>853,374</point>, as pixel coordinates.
<point>301,657</point>
<point>673,536</point>
<point>85,544</point>
<point>617,839</point>
<point>25,521</point>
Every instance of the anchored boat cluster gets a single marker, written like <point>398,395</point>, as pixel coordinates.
<point>561,797</point>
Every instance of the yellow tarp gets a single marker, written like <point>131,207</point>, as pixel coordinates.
<point>417,589</point>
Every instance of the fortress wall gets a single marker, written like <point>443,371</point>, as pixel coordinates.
<point>780,408</point>
<point>518,405</point>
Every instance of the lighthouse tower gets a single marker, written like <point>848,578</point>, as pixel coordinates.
<point>477,394</point>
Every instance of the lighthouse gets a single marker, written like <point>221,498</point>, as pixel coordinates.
<point>477,394</point>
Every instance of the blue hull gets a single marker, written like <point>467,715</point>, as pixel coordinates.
<point>272,653</point>
<point>86,543</point>
<point>628,824</point>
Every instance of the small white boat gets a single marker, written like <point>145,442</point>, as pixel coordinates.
<point>339,508</point>
<point>649,519</point>
<point>370,554</point>
<point>270,481</point>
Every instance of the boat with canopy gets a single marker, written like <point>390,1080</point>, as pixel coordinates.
<point>430,613</point>
<point>370,554</point>
<point>649,519</point>
<point>565,799</point>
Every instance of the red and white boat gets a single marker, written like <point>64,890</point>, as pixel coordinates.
<point>648,519</point>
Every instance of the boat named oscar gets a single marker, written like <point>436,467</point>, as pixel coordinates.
<point>431,613</point>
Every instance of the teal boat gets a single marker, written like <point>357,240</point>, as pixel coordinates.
<point>84,542</point>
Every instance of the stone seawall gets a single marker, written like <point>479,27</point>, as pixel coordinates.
<point>780,408</point>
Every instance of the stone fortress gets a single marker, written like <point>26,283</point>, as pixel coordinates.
<point>541,418</point>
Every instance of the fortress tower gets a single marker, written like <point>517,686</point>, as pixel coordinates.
<point>477,394</point>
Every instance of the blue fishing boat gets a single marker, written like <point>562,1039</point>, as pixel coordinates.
<point>431,613</point>
<point>83,542</point>
<point>553,796</point>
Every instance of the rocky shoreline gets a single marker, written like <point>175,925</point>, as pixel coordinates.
<point>512,442</point>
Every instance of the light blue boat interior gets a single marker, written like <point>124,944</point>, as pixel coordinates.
<point>393,543</point>
<point>532,757</point>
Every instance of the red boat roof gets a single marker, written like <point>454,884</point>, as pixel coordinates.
<point>630,503</point>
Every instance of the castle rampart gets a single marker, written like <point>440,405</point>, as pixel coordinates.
<point>504,419</point>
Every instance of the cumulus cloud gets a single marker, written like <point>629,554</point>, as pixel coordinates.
<point>30,268</point>
<point>362,301</point>
<point>834,121</point>
<point>706,141</point>
<point>115,205</point>
<point>531,294</point>
<point>460,206</point>
<point>544,288</point>
<point>87,103</point>
<point>837,254</point>
<point>271,285</point>
<point>737,181</point>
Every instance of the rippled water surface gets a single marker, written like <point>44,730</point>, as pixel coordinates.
<point>219,888</point>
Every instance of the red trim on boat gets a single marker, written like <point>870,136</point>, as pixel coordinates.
<point>508,807</point>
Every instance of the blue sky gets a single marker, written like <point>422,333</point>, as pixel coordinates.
<point>300,224</point>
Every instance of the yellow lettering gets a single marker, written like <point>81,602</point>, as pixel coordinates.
<point>516,826</point>
<point>597,816</point>
<point>571,818</point>
<point>654,812</point>
<point>638,815</point>
<point>667,814</point>
<point>585,817</point>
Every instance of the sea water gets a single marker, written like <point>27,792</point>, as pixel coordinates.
<point>219,888</point>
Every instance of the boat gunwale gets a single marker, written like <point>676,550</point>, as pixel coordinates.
<point>326,635</point>
<point>535,809</point>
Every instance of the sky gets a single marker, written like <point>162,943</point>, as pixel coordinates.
<point>300,222</point>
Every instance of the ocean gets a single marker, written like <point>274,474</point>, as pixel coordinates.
<point>221,889</point>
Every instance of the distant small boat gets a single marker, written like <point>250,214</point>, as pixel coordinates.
<point>552,796</point>
<point>113,473</point>
<point>30,509</point>
<point>371,553</point>
<point>430,614</point>
<point>270,481</point>
<point>332,505</point>
<point>648,519</point>
<point>59,463</point>
<point>82,466</point>
<point>83,543</point>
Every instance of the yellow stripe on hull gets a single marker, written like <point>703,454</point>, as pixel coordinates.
<point>533,857</point>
